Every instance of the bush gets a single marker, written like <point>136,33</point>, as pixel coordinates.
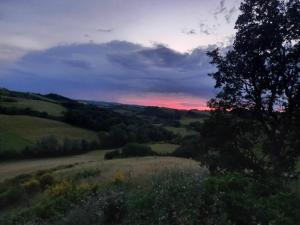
<point>31,186</point>
<point>175,198</point>
<point>189,198</point>
<point>134,149</point>
<point>191,146</point>
<point>46,180</point>
<point>112,155</point>
<point>86,173</point>
<point>10,196</point>
<point>62,188</point>
<point>119,177</point>
<point>106,208</point>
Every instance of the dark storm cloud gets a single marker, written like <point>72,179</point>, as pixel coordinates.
<point>81,64</point>
<point>112,69</point>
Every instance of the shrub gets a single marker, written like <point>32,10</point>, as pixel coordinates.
<point>46,180</point>
<point>112,155</point>
<point>135,149</point>
<point>86,173</point>
<point>174,198</point>
<point>191,146</point>
<point>62,188</point>
<point>10,196</point>
<point>105,208</point>
<point>119,177</point>
<point>31,186</point>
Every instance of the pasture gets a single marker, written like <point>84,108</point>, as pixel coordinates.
<point>69,166</point>
<point>17,132</point>
<point>183,131</point>
<point>52,109</point>
<point>187,120</point>
<point>163,147</point>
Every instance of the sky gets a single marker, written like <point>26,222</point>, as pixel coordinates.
<point>146,52</point>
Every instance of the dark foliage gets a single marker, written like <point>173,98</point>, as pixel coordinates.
<point>137,131</point>
<point>25,111</point>
<point>191,147</point>
<point>231,144</point>
<point>57,97</point>
<point>50,147</point>
<point>90,117</point>
<point>181,198</point>
<point>260,74</point>
<point>131,150</point>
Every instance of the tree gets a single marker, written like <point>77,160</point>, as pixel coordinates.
<point>261,74</point>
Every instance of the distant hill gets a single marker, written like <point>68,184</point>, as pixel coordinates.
<point>50,103</point>
<point>25,118</point>
<point>17,131</point>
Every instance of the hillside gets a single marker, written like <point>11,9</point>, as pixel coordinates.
<point>52,109</point>
<point>18,131</point>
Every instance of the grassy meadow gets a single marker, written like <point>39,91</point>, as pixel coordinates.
<point>17,132</point>
<point>51,108</point>
<point>183,131</point>
<point>163,147</point>
<point>187,120</point>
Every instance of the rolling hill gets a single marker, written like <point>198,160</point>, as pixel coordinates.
<point>18,131</point>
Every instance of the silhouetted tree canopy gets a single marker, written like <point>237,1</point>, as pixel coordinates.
<point>261,74</point>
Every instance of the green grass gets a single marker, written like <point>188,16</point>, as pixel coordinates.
<point>163,147</point>
<point>17,132</point>
<point>36,105</point>
<point>298,166</point>
<point>70,166</point>
<point>131,168</point>
<point>187,120</point>
<point>14,168</point>
<point>181,131</point>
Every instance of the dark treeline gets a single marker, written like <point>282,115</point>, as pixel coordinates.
<point>27,112</point>
<point>115,130</point>
<point>122,134</point>
<point>91,117</point>
<point>50,147</point>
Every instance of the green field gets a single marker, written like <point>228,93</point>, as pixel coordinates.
<point>36,105</point>
<point>163,147</point>
<point>71,165</point>
<point>17,132</point>
<point>181,131</point>
<point>187,120</point>
<point>131,168</point>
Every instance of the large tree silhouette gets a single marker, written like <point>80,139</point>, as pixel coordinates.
<point>261,74</point>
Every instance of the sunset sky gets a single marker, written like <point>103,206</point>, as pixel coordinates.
<point>146,52</point>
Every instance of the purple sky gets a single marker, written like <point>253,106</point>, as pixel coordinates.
<point>132,51</point>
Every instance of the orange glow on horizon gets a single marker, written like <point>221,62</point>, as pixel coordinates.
<point>167,101</point>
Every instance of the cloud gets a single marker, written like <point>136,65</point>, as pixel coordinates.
<point>226,11</point>
<point>221,8</point>
<point>112,71</point>
<point>204,29</point>
<point>102,30</point>
<point>80,64</point>
<point>189,32</point>
<point>230,14</point>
